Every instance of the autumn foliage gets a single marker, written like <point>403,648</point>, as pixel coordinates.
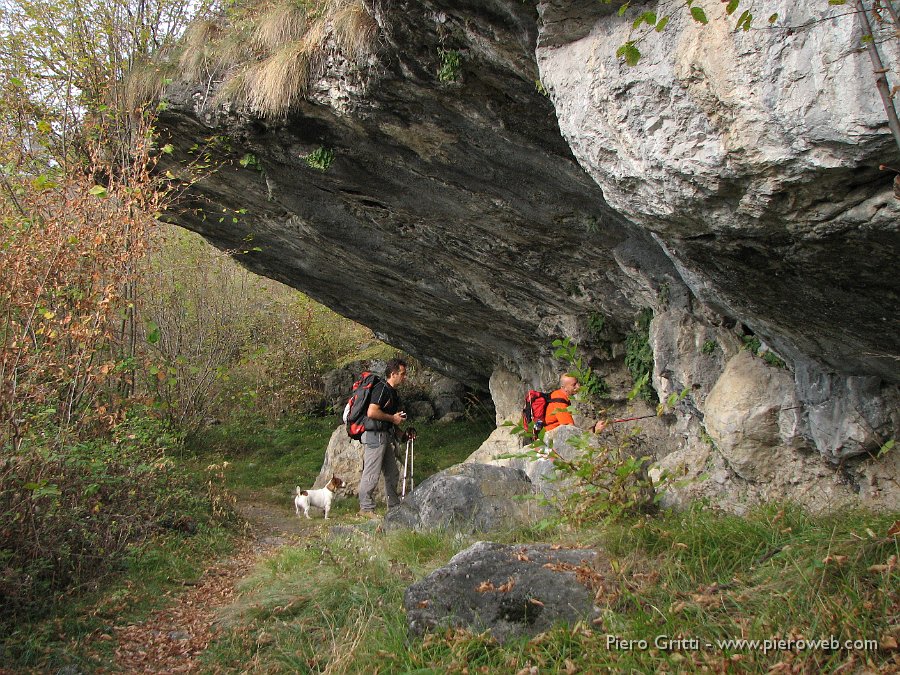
<point>68,248</point>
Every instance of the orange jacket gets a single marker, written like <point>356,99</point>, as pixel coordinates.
<point>556,411</point>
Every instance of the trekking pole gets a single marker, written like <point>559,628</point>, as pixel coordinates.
<point>631,419</point>
<point>405,468</point>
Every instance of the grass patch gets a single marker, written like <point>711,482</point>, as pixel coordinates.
<point>692,579</point>
<point>267,462</point>
<point>146,579</point>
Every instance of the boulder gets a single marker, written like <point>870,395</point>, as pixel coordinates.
<point>344,458</point>
<point>469,498</point>
<point>420,410</point>
<point>337,384</point>
<point>751,416</point>
<point>510,590</point>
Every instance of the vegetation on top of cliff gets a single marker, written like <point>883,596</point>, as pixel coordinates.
<point>265,54</point>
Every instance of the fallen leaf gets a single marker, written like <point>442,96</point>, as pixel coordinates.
<point>424,603</point>
<point>535,601</point>
<point>570,667</point>
<point>485,587</point>
<point>507,587</point>
<point>887,567</point>
<point>894,529</point>
<point>888,643</point>
<point>836,559</point>
<point>678,544</point>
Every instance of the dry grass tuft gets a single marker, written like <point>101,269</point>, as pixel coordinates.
<point>266,56</point>
<point>144,84</point>
<point>198,53</point>
<point>354,28</point>
<point>274,85</point>
<point>279,24</point>
<point>237,86</point>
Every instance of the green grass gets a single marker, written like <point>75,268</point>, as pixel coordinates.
<point>335,604</point>
<point>151,573</point>
<point>267,462</point>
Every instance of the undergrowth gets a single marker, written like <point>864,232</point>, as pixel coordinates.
<point>681,583</point>
<point>80,520</point>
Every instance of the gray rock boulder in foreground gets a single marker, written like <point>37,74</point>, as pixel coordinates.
<point>470,498</point>
<point>512,591</point>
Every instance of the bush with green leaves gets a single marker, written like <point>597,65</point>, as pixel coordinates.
<point>639,355</point>
<point>754,345</point>
<point>320,159</point>
<point>592,385</point>
<point>608,476</point>
<point>451,65</point>
<point>71,516</point>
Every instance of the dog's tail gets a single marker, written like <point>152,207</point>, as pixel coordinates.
<point>300,492</point>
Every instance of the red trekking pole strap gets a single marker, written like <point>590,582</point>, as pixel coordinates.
<point>630,419</point>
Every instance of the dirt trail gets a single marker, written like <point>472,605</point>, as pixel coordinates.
<point>171,640</point>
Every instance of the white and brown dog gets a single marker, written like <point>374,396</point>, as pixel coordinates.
<point>320,498</point>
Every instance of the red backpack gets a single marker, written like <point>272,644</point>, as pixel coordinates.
<point>534,413</point>
<point>358,404</point>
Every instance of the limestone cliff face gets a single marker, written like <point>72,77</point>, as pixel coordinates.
<point>728,182</point>
<point>753,159</point>
<point>454,219</point>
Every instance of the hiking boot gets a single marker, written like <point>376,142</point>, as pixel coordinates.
<point>365,513</point>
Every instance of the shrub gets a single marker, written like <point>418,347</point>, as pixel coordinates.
<point>221,342</point>
<point>639,355</point>
<point>451,65</point>
<point>71,517</point>
<point>67,254</point>
<point>320,159</point>
<point>610,479</point>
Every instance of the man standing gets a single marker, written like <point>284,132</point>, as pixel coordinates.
<point>382,419</point>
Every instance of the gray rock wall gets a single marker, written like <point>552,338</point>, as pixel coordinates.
<point>729,182</point>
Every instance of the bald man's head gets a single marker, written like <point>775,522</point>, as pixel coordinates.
<point>568,384</point>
